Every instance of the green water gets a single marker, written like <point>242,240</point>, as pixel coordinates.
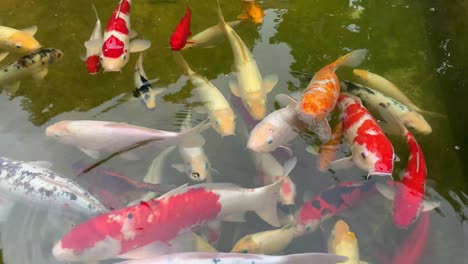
<point>408,42</point>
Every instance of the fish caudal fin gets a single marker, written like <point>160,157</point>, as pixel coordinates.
<point>267,202</point>
<point>352,59</point>
<point>220,15</point>
<point>313,258</point>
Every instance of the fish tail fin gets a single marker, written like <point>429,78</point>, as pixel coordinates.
<point>352,59</point>
<point>267,202</point>
<point>220,15</point>
<point>312,258</point>
<point>182,62</point>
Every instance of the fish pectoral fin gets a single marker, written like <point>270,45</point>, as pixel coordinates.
<point>322,129</point>
<point>3,55</point>
<point>180,167</point>
<point>40,75</point>
<point>12,88</point>
<point>30,30</point>
<point>386,190</point>
<point>41,163</point>
<point>269,83</point>
<point>239,217</point>
<point>313,149</point>
<point>139,45</point>
<point>341,164</point>
<point>285,100</point>
<point>92,153</point>
<point>133,33</point>
<point>148,251</point>
<point>428,205</point>
<point>234,89</point>
<point>94,44</point>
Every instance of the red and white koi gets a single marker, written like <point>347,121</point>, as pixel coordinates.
<point>331,202</point>
<point>116,46</point>
<point>92,53</point>
<point>371,150</point>
<point>320,97</point>
<point>129,232</point>
<point>236,258</point>
<point>407,196</point>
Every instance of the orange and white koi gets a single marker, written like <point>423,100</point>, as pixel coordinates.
<point>92,54</point>
<point>371,150</point>
<point>116,46</point>
<point>320,97</point>
<point>250,87</point>
<point>18,41</point>
<point>252,12</point>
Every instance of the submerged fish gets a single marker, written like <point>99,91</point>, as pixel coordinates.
<point>19,41</point>
<point>93,137</point>
<point>320,97</point>
<point>371,150</point>
<point>252,12</point>
<point>328,150</point>
<point>92,54</point>
<point>222,117</point>
<point>115,45</point>
<point>209,37</point>
<point>332,202</point>
<point>149,226</point>
<point>343,242</point>
<point>408,196</point>
<point>32,65</point>
<point>27,182</point>
<point>250,86</point>
<point>182,31</point>
<point>235,258</point>
<point>271,242</point>
<point>277,128</point>
<point>143,89</point>
<point>409,117</point>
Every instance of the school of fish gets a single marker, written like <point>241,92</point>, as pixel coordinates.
<point>148,221</point>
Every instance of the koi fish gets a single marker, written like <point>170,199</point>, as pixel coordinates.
<point>19,41</point>
<point>277,128</point>
<point>269,171</point>
<point>235,258</point>
<point>343,242</point>
<point>29,182</point>
<point>331,202</point>
<point>116,46</point>
<point>93,137</point>
<point>408,196</point>
<point>327,151</point>
<point>222,117</point>
<point>250,87</point>
<point>371,150</point>
<point>34,64</point>
<point>271,242</point>
<point>92,54</point>
<point>410,118</point>
<point>143,89</point>
<point>252,12</point>
<point>209,37</point>
<point>196,164</point>
<point>150,226</point>
<point>181,32</point>
<point>320,97</point>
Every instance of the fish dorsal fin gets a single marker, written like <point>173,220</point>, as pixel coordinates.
<point>269,83</point>
<point>285,100</point>
<point>175,191</point>
<point>30,30</point>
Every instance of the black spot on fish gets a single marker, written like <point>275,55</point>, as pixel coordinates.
<point>383,105</point>
<point>316,204</point>
<point>325,212</point>
<point>130,216</point>
<point>73,196</point>
<point>136,93</point>
<point>216,260</point>
<point>368,90</point>
<point>334,196</point>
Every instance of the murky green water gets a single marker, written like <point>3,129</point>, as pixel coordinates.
<point>301,35</point>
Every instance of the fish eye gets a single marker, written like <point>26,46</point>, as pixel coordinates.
<point>123,57</point>
<point>18,46</point>
<point>244,251</point>
<point>270,141</point>
<point>308,228</point>
<point>217,121</point>
<point>101,58</point>
<point>195,175</point>
<point>363,155</point>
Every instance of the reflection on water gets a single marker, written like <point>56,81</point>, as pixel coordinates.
<point>296,36</point>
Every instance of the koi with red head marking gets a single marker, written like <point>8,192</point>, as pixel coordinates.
<point>161,220</point>
<point>181,32</point>
<point>320,97</point>
<point>371,150</point>
<point>331,202</point>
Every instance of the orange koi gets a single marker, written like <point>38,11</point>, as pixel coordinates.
<point>328,150</point>
<point>252,12</point>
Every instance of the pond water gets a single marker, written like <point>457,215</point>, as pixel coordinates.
<point>295,36</point>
